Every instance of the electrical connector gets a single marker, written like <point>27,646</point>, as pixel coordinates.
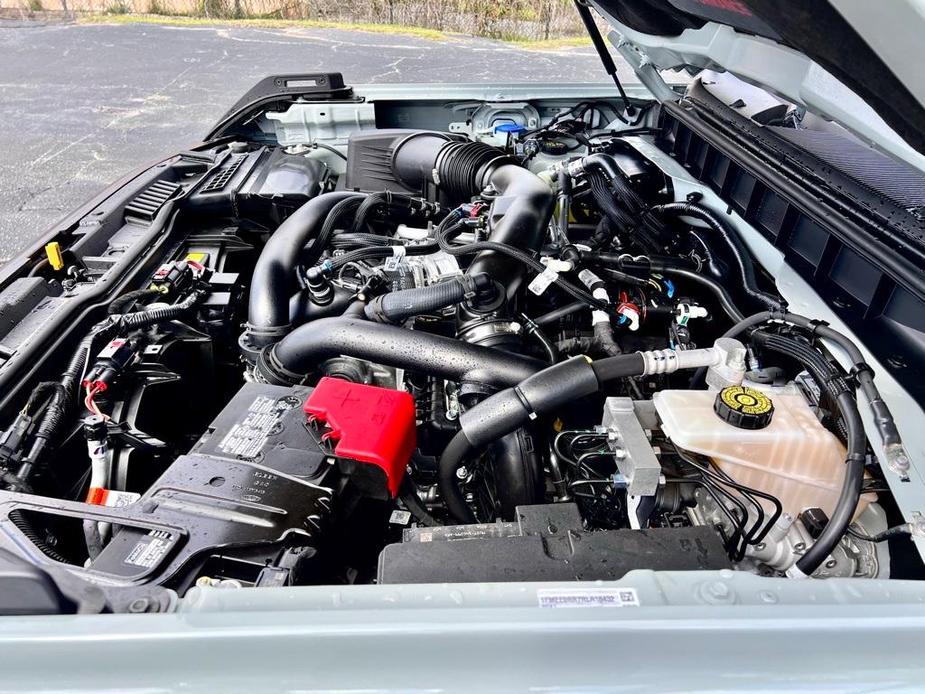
<point>110,363</point>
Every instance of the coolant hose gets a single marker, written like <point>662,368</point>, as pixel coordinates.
<point>398,306</point>
<point>737,249</point>
<point>291,359</point>
<point>271,284</point>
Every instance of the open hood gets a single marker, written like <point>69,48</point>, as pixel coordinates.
<point>851,61</point>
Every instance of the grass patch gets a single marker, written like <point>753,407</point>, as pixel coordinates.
<point>122,18</point>
<point>36,6</point>
<point>552,44</point>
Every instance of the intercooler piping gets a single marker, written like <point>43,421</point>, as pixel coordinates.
<point>274,273</point>
<point>300,352</point>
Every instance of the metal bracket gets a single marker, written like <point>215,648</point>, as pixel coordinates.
<point>626,437</point>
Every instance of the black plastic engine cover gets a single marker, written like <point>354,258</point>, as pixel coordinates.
<point>546,543</point>
<point>252,482</point>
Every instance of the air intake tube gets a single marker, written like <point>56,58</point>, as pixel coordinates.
<point>301,351</point>
<point>274,274</point>
<point>462,169</point>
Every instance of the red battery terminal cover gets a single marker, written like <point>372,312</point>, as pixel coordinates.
<point>369,424</point>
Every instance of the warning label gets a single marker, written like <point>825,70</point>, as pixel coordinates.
<point>587,597</point>
<point>249,436</point>
<point>149,550</point>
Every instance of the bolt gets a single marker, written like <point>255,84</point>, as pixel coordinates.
<point>619,453</point>
<point>462,472</point>
<point>831,564</point>
<point>718,589</point>
<point>139,605</point>
<point>203,582</point>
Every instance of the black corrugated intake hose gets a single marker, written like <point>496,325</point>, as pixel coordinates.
<point>274,274</point>
<point>299,353</point>
<point>463,169</point>
<point>396,307</point>
<point>508,410</point>
<point>736,248</point>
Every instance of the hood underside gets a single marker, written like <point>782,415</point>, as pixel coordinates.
<point>862,45</point>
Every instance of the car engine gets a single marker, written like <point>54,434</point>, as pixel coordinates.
<point>517,353</point>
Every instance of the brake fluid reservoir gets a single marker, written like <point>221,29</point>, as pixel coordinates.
<point>772,443</point>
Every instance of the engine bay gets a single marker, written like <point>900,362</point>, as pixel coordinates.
<point>501,344</point>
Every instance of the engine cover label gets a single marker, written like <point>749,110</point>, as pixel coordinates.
<point>587,597</point>
<point>248,437</point>
<point>148,551</point>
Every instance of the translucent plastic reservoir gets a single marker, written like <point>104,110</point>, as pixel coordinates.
<point>794,458</point>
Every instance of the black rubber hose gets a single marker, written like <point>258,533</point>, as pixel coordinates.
<point>723,297</point>
<point>509,409</point>
<point>830,381</point>
<point>604,340</point>
<point>396,307</point>
<point>274,274</point>
<point>534,331</point>
<point>408,494</point>
<point>883,418</point>
<point>345,208</point>
<point>737,249</point>
<point>445,235</point>
<point>559,313</point>
<point>451,460</point>
<point>386,199</point>
<point>850,494</point>
<point>296,355</point>
<point>523,224</point>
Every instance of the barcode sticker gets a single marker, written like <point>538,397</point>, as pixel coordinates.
<point>587,597</point>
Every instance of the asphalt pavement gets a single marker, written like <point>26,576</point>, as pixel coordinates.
<point>82,104</point>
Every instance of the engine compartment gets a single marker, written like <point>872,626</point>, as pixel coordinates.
<point>504,351</point>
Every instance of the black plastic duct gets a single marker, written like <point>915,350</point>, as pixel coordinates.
<point>272,283</point>
<point>300,352</point>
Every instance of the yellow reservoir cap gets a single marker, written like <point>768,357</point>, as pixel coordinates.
<point>54,255</point>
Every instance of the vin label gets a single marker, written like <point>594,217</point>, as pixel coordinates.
<point>556,598</point>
